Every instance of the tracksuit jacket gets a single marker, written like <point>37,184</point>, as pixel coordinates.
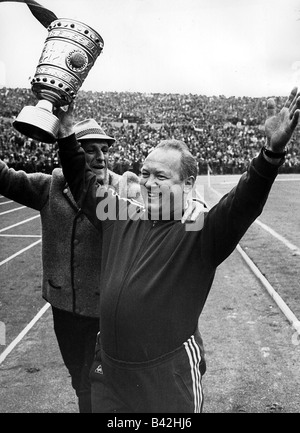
<point>156,275</point>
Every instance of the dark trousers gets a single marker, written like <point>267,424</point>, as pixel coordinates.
<point>171,383</point>
<point>76,337</point>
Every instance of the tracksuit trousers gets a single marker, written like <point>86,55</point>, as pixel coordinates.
<point>169,384</point>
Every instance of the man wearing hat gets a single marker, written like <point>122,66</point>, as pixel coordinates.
<point>71,268</point>
<point>70,250</point>
<point>94,141</point>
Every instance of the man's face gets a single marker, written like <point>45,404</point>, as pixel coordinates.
<point>161,185</point>
<point>96,154</point>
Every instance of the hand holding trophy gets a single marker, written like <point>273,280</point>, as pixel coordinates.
<point>71,49</point>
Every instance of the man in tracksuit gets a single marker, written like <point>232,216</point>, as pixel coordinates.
<point>156,274</point>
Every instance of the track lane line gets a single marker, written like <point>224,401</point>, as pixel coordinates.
<point>22,334</point>
<point>6,202</point>
<point>20,252</point>
<point>12,210</point>
<point>19,223</point>
<point>20,236</point>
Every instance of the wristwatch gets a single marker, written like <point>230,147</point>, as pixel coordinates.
<point>276,155</point>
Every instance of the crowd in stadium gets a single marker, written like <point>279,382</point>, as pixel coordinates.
<point>223,133</point>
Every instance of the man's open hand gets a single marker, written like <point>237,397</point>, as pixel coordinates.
<point>280,127</point>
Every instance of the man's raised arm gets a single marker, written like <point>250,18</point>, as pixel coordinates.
<point>231,217</point>
<point>81,179</point>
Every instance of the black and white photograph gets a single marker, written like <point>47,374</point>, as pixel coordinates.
<point>149,209</point>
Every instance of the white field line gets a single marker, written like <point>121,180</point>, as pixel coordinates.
<point>6,202</point>
<point>17,224</point>
<point>20,236</point>
<point>20,252</point>
<point>272,292</point>
<point>287,243</point>
<point>272,232</point>
<point>12,210</point>
<point>279,301</point>
<point>13,344</point>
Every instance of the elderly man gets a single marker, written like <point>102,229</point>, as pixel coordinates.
<point>156,275</point>
<point>71,263</point>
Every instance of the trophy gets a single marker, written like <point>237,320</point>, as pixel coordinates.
<point>70,51</point>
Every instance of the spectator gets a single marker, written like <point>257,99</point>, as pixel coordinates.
<point>226,132</point>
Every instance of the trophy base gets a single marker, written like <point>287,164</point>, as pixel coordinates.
<point>37,123</point>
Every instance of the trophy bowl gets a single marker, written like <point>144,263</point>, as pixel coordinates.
<point>70,50</point>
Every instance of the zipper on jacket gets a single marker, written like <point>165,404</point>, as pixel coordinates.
<point>125,279</point>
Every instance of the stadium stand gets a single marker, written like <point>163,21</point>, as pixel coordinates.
<point>223,133</point>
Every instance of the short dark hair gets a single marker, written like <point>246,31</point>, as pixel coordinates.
<point>188,162</point>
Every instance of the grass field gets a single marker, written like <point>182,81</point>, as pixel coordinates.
<point>20,275</point>
<point>279,263</point>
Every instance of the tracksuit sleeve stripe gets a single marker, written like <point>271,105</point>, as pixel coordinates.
<point>193,352</point>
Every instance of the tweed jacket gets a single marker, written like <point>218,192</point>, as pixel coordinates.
<point>70,243</point>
